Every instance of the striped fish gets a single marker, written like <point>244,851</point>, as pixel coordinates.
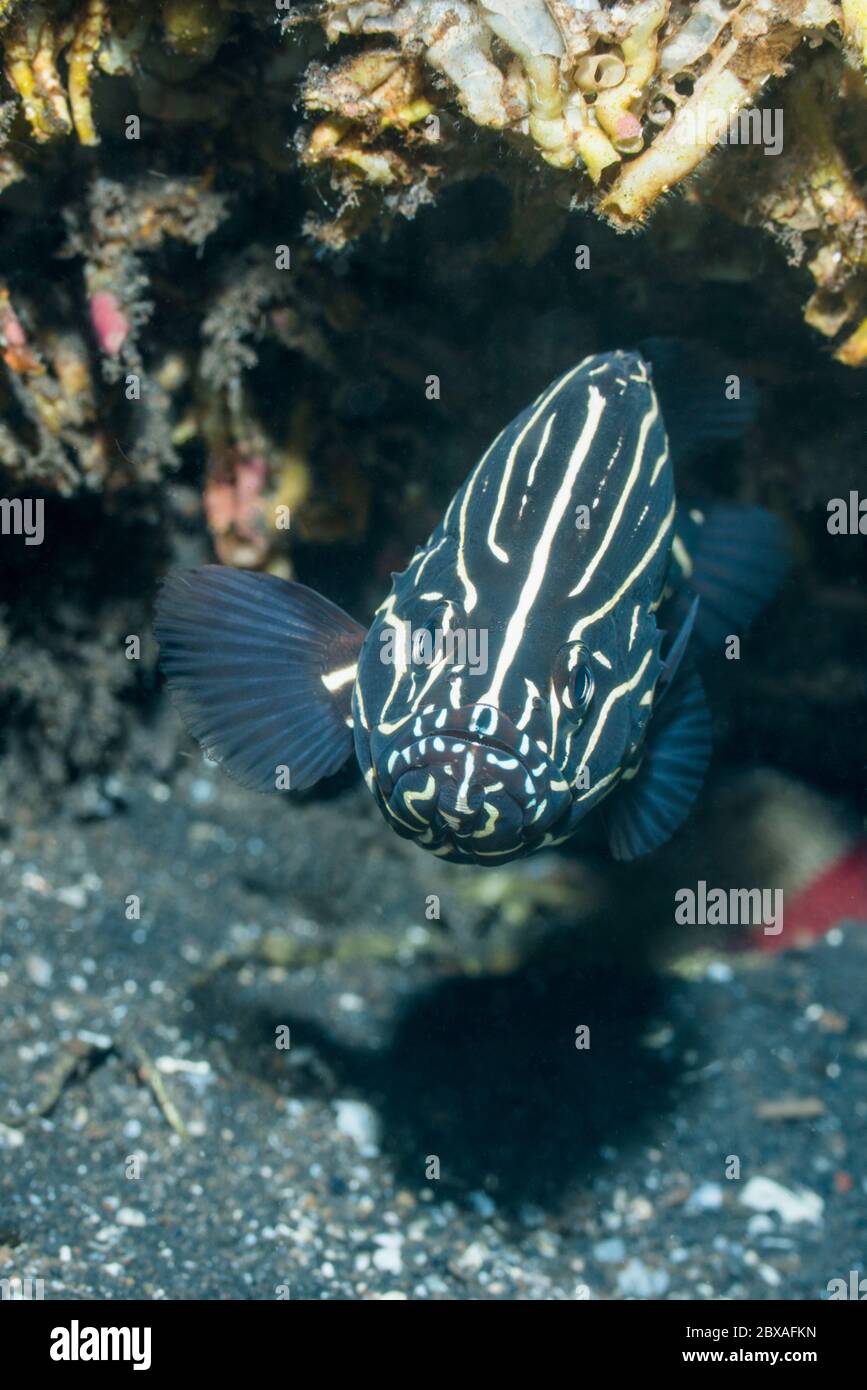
<point>532,663</point>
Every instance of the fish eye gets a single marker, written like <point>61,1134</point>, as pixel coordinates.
<point>574,679</point>
<point>581,688</point>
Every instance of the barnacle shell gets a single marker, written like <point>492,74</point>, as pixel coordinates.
<point>596,71</point>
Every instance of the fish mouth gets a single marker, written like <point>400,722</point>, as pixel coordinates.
<point>473,726</point>
<point>468,785</point>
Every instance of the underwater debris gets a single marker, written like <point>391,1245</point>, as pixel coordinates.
<point>631,98</point>
<point>381,103</point>
<point>60,423</point>
<point>124,222</point>
<point>250,473</point>
<point>810,200</point>
<point>48,389</point>
<point>645,89</point>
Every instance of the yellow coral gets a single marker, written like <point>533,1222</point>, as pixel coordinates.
<point>855,25</point>
<point>853,353</point>
<point>80,56</point>
<point>33,46</point>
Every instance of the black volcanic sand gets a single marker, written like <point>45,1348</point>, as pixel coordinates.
<point>308,1170</point>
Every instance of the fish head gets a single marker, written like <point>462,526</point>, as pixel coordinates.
<point>468,785</point>
<point>477,780</point>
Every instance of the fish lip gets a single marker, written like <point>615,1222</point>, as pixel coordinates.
<point>424,727</point>
<point>501,745</point>
<point>410,749</point>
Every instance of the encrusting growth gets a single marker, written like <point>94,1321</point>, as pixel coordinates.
<point>382,102</point>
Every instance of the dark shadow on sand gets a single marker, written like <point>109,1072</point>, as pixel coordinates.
<point>485,1075</point>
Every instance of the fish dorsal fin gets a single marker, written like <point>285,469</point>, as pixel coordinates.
<point>690,381</point>
<point>645,810</point>
<point>262,671</point>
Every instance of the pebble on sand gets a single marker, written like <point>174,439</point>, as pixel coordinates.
<point>763,1194</point>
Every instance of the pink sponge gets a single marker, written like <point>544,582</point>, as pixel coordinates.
<point>110,323</point>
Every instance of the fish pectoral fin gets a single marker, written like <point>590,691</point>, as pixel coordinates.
<point>738,556</point>
<point>643,813</point>
<point>262,671</point>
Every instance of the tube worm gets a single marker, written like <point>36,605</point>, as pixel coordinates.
<point>613,108</point>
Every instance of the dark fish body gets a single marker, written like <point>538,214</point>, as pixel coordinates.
<point>565,562</point>
<point>512,559</point>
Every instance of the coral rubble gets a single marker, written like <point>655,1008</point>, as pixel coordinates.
<point>631,97</point>
<point>624,101</point>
